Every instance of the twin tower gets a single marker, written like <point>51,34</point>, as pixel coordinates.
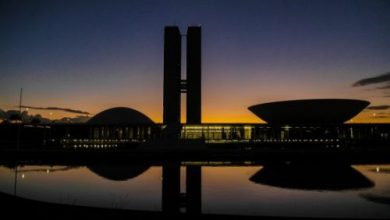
<point>174,84</point>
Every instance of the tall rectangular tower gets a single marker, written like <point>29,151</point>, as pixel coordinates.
<point>194,64</point>
<point>172,75</point>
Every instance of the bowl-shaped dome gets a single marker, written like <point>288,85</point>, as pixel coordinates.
<point>118,173</point>
<point>120,116</point>
<point>312,177</point>
<point>309,111</point>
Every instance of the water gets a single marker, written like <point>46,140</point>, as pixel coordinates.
<point>343,191</point>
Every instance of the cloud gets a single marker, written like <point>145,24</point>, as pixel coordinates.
<point>76,120</point>
<point>373,80</point>
<point>12,115</point>
<point>58,109</point>
<point>382,116</point>
<point>378,107</point>
<point>384,87</point>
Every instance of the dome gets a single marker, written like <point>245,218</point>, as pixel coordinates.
<point>120,116</point>
<point>118,173</point>
<point>309,111</point>
<point>311,177</point>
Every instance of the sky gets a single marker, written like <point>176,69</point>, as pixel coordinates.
<point>91,55</point>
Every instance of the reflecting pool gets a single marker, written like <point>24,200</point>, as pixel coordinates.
<point>246,188</point>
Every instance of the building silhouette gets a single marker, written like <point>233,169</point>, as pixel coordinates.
<point>194,73</point>
<point>292,122</point>
<point>174,85</point>
<point>172,76</point>
<point>309,111</point>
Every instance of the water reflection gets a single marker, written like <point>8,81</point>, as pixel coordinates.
<point>381,199</point>
<point>173,201</point>
<point>118,172</point>
<point>195,188</point>
<point>311,177</point>
<point>46,170</point>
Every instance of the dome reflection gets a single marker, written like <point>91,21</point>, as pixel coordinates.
<point>118,172</point>
<point>311,177</point>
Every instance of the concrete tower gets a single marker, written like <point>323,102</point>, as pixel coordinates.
<point>174,85</point>
<point>172,76</point>
<point>194,64</point>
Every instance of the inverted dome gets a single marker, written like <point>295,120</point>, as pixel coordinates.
<point>118,173</point>
<point>311,177</point>
<point>309,111</point>
<point>120,116</point>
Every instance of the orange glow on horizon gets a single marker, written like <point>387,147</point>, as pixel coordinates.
<point>209,116</point>
<point>156,116</point>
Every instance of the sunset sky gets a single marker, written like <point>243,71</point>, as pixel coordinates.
<point>91,55</point>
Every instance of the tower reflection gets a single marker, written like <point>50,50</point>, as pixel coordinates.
<point>173,201</point>
<point>303,176</point>
<point>171,188</point>
<point>176,201</point>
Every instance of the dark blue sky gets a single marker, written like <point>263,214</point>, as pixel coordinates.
<point>93,55</point>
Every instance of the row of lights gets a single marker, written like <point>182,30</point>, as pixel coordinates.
<point>298,140</point>
<point>94,146</point>
<point>228,141</point>
<point>332,146</point>
<point>98,140</point>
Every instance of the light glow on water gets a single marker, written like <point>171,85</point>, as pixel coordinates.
<point>225,189</point>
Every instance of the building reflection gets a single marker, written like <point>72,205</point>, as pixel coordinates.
<point>173,201</point>
<point>307,176</point>
<point>118,172</point>
<point>381,199</point>
<point>176,201</point>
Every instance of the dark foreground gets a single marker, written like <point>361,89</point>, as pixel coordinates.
<point>20,208</point>
<point>264,155</point>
